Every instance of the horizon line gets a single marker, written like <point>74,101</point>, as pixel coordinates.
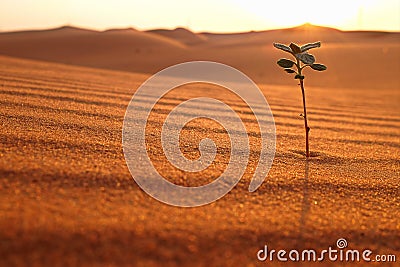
<point>186,28</point>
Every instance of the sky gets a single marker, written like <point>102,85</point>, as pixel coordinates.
<point>200,15</point>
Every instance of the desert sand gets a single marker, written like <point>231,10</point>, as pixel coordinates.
<point>68,199</point>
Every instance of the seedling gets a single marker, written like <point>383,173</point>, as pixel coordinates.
<point>302,60</point>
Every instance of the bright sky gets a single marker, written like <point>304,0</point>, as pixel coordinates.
<point>200,15</point>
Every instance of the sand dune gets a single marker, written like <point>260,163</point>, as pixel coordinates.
<point>365,54</point>
<point>67,198</point>
<point>115,49</point>
<point>182,35</point>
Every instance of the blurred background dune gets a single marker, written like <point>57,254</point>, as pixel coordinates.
<point>355,59</point>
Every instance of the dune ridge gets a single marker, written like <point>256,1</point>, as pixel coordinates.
<point>252,52</point>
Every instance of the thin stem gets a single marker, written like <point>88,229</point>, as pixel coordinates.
<point>305,117</point>
<point>300,68</point>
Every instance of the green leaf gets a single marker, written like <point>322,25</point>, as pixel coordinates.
<point>283,47</point>
<point>318,67</point>
<point>306,58</point>
<point>300,77</point>
<point>285,63</point>
<point>295,48</point>
<point>290,71</point>
<point>310,46</point>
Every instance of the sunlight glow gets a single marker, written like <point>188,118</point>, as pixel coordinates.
<point>291,13</point>
<point>205,15</point>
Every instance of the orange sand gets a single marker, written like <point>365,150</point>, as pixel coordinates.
<point>67,198</point>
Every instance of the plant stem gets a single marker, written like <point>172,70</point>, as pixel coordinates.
<point>305,117</point>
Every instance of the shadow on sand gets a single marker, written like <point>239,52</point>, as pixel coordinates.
<point>305,206</point>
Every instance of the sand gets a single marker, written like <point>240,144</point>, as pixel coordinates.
<point>355,59</point>
<point>67,198</point>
